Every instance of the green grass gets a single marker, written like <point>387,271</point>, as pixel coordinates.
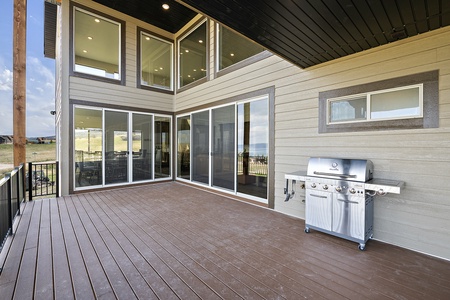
<point>34,153</point>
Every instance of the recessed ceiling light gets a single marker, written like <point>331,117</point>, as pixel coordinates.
<point>85,51</point>
<point>89,37</point>
<point>189,76</point>
<point>187,50</point>
<point>231,54</point>
<point>147,38</point>
<point>195,70</point>
<point>200,41</point>
<point>97,20</point>
<point>156,70</point>
<point>161,68</point>
<point>165,6</point>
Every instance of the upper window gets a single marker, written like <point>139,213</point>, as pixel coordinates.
<point>192,55</point>
<point>156,62</point>
<point>399,103</point>
<point>97,45</point>
<point>233,48</point>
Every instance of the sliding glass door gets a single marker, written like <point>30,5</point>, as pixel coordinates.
<point>200,147</point>
<point>142,146</point>
<point>253,147</point>
<point>227,147</point>
<point>116,147</point>
<point>223,154</point>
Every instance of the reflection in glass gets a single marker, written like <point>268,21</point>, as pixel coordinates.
<point>96,45</point>
<point>156,62</point>
<point>200,147</point>
<point>142,147</point>
<point>116,147</point>
<point>348,110</point>
<point>253,148</point>
<point>395,104</point>
<point>192,56</point>
<point>234,48</point>
<point>88,147</point>
<point>162,147</point>
<point>183,147</point>
<point>223,166</point>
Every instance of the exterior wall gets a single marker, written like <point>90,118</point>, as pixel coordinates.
<point>416,219</point>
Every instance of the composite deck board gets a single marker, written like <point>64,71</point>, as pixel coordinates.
<point>44,266</point>
<point>172,241</point>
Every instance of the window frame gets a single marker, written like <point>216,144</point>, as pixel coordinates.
<point>122,50</point>
<point>240,64</point>
<point>430,102</point>
<point>140,32</point>
<point>369,101</point>
<point>178,67</point>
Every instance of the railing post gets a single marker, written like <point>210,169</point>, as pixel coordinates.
<point>30,181</point>
<point>18,173</point>
<point>57,179</point>
<point>9,202</point>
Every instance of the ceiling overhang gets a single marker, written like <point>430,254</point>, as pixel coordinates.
<point>304,32</point>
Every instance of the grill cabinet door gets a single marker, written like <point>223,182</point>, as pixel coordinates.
<point>319,209</point>
<point>349,215</point>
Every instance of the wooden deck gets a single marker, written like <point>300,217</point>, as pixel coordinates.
<point>172,241</point>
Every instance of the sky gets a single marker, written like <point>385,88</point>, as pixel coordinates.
<point>40,71</point>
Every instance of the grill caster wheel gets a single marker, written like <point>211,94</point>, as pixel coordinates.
<point>362,247</point>
<point>307,230</point>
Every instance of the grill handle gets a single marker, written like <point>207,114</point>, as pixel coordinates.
<point>335,175</point>
<point>318,196</point>
<point>348,201</point>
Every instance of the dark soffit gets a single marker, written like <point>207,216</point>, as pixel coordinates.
<point>310,32</point>
<point>151,12</point>
<point>50,11</point>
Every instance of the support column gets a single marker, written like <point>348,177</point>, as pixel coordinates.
<point>19,80</point>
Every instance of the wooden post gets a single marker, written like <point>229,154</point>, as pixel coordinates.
<point>19,80</point>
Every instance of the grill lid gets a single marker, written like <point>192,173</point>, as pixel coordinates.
<point>360,170</point>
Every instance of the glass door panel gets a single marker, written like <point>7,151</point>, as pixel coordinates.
<point>162,147</point>
<point>116,147</point>
<point>142,147</point>
<point>88,147</point>
<point>253,148</point>
<point>200,147</point>
<point>183,147</point>
<point>223,166</point>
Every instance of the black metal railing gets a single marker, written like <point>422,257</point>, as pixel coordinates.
<point>12,194</point>
<point>42,179</point>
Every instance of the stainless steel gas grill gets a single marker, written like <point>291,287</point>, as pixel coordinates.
<point>339,196</point>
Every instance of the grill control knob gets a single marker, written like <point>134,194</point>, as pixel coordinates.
<point>352,191</point>
<point>338,189</point>
<point>313,185</point>
<point>325,187</point>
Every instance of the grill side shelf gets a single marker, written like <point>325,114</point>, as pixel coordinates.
<point>384,185</point>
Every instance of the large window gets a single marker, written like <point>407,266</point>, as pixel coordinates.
<point>192,56</point>
<point>156,62</point>
<point>233,48</point>
<point>96,45</point>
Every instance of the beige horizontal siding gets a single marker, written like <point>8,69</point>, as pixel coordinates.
<point>100,92</point>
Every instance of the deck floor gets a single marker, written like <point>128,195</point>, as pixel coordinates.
<point>172,241</point>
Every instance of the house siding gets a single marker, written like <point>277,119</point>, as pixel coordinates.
<point>415,219</point>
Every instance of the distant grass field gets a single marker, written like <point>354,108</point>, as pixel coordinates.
<point>35,153</point>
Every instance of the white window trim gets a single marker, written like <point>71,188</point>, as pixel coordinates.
<point>368,106</point>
